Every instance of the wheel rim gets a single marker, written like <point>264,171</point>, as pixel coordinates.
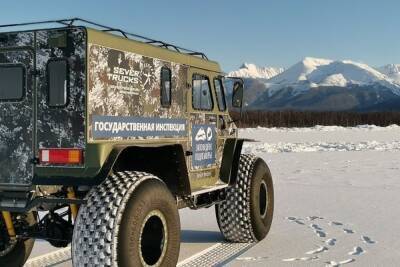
<point>153,239</point>
<point>263,199</point>
<point>6,244</point>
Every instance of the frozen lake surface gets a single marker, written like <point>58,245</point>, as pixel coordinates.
<point>337,201</point>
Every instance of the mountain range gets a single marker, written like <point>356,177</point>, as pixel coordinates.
<point>322,85</point>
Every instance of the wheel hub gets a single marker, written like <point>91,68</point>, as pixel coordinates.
<point>263,201</point>
<point>153,239</point>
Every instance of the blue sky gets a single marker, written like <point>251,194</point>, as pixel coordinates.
<point>268,33</point>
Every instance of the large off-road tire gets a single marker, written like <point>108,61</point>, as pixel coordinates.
<point>15,253</point>
<point>246,214</point>
<point>131,219</point>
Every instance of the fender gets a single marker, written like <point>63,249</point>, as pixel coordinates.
<point>166,161</point>
<point>113,161</point>
<point>230,159</point>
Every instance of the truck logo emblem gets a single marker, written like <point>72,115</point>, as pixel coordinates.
<point>201,135</point>
<point>203,145</point>
<point>209,134</point>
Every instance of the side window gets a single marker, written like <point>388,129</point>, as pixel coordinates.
<point>201,93</point>
<point>166,87</point>
<point>12,82</point>
<point>219,90</point>
<point>58,83</point>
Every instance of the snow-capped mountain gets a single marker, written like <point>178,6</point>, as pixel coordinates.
<point>392,71</point>
<point>248,70</point>
<point>324,84</point>
<point>316,72</point>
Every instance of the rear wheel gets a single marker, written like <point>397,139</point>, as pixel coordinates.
<point>130,220</point>
<point>246,214</point>
<point>14,253</point>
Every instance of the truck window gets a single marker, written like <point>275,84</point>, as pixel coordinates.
<point>201,93</point>
<point>12,82</point>
<point>219,90</point>
<point>57,71</point>
<point>165,87</point>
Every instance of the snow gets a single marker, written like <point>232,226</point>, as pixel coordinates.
<point>332,207</point>
<point>352,72</point>
<point>322,128</point>
<point>315,72</point>
<point>352,139</point>
<point>248,70</point>
<point>322,147</point>
<point>392,71</point>
<point>318,72</point>
<point>300,71</point>
<point>334,80</point>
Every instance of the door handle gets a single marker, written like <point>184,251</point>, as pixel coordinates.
<point>212,119</point>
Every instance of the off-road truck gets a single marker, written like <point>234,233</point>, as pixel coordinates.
<point>105,135</point>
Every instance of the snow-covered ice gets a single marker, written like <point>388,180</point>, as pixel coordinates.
<point>336,195</point>
<point>322,139</point>
<point>336,206</point>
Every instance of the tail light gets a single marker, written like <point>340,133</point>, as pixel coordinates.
<point>61,156</point>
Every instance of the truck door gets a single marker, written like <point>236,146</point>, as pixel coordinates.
<point>16,115</point>
<point>60,63</point>
<point>204,172</point>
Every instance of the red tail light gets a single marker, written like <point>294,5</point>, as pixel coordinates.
<point>61,156</point>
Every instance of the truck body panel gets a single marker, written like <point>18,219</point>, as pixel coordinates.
<point>16,109</point>
<point>113,87</point>
<point>124,102</point>
<point>92,119</point>
<point>28,123</point>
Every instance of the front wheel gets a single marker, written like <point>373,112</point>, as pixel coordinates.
<point>130,220</point>
<point>246,214</point>
<point>14,253</point>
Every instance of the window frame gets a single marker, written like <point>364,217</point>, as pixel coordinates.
<point>210,91</point>
<point>67,100</point>
<point>24,81</point>
<point>222,92</point>
<point>162,82</point>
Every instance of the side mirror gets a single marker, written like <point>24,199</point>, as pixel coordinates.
<point>237,94</point>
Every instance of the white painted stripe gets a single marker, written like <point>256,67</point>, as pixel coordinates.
<point>49,259</point>
<point>216,255</point>
<point>211,256</point>
<point>195,256</point>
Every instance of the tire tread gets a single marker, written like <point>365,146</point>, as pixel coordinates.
<point>234,213</point>
<point>95,238</point>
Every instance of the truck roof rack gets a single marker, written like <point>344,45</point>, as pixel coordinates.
<point>72,22</point>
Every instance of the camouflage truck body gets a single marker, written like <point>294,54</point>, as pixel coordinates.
<point>110,110</point>
<point>27,121</point>
<point>109,136</point>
